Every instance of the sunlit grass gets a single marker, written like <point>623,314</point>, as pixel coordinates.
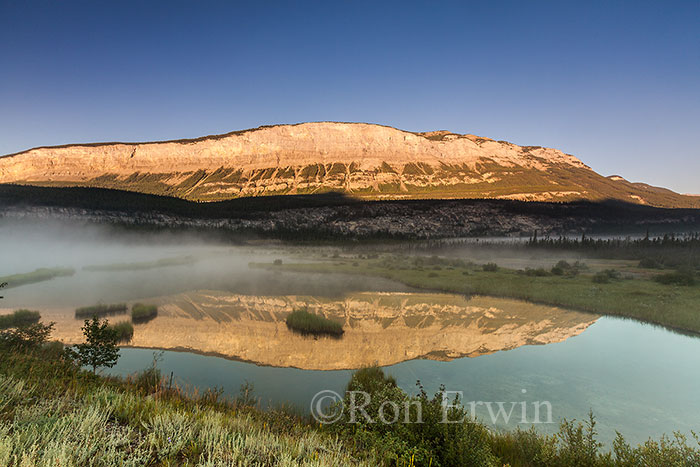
<point>639,298</point>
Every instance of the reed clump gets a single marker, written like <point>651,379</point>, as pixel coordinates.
<point>101,310</point>
<point>306,323</point>
<point>142,313</point>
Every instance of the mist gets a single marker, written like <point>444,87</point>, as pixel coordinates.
<point>113,265</point>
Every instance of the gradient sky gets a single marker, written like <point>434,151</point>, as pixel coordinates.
<point>615,83</point>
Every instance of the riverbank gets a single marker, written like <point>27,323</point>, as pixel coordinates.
<point>635,296</point>
<point>53,413</point>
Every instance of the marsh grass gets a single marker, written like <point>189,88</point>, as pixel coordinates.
<point>100,310</point>
<point>124,331</point>
<point>38,275</point>
<point>306,323</point>
<point>640,298</point>
<point>142,313</point>
<point>144,265</point>
<point>19,318</point>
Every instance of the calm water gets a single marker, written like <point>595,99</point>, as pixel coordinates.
<point>638,379</point>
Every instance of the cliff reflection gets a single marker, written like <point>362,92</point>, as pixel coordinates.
<point>381,328</point>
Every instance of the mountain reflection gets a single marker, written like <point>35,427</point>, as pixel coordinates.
<point>380,328</point>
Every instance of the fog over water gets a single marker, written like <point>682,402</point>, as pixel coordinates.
<point>208,264</point>
<point>211,301</point>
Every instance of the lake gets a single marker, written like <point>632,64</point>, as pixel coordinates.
<point>224,325</point>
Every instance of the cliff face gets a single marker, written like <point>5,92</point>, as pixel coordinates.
<point>363,160</point>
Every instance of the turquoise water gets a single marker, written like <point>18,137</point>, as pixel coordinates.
<point>638,379</point>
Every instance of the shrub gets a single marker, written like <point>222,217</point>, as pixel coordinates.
<point>430,442</point>
<point>603,277</point>
<point>124,330</point>
<point>308,323</point>
<point>490,267</point>
<point>19,318</point>
<point>684,277</point>
<point>370,379</point>
<point>100,310</point>
<point>539,272</point>
<point>141,313</point>
<point>26,336</point>
<point>650,263</point>
<point>564,268</point>
<point>150,380</point>
<point>432,274</point>
<point>277,262</point>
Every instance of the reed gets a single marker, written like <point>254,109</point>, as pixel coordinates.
<point>306,323</point>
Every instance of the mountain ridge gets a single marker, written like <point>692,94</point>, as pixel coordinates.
<point>364,160</point>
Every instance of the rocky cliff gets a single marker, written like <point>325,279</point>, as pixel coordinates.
<point>363,160</point>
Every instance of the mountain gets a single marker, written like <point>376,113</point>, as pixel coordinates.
<point>362,160</point>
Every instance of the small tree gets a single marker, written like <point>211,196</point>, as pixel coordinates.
<point>100,346</point>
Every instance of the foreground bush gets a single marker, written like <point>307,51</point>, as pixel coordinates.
<point>141,313</point>
<point>100,310</point>
<point>19,318</point>
<point>53,413</point>
<point>308,323</point>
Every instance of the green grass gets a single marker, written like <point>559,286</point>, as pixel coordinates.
<point>139,266</point>
<point>54,413</point>
<point>101,310</point>
<point>19,318</point>
<point>303,322</point>
<point>38,275</point>
<point>643,299</point>
<point>51,413</point>
<point>124,330</point>
<point>141,313</point>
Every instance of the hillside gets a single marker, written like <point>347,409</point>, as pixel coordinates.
<point>362,160</point>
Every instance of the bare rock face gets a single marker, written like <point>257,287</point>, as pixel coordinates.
<point>363,160</point>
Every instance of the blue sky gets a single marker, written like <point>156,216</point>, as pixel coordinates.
<point>615,83</point>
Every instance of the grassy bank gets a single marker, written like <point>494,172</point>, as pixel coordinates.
<point>38,275</point>
<point>53,413</point>
<point>142,266</point>
<point>639,297</point>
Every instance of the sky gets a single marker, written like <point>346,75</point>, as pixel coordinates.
<point>615,83</point>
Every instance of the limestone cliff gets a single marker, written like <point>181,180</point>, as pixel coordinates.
<point>363,160</point>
